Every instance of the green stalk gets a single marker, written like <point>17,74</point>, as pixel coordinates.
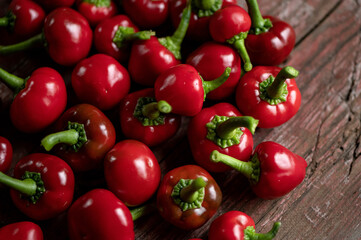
<point>22,46</point>
<point>242,51</point>
<point>276,89</point>
<point>69,137</point>
<point>214,84</point>
<point>99,3</point>
<point>4,22</point>
<point>226,130</point>
<point>13,82</point>
<point>204,4</point>
<point>259,24</point>
<point>251,234</point>
<point>164,107</point>
<point>126,34</point>
<point>141,211</point>
<point>190,193</point>
<point>26,186</point>
<point>150,110</point>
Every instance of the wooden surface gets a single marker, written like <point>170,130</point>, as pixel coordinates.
<point>326,132</point>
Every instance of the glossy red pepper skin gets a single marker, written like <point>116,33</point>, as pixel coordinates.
<point>132,172</point>
<point>101,81</point>
<point>100,134</point>
<point>148,59</point>
<point>210,60</point>
<point>99,214</point>
<point>133,128</point>
<point>271,48</point>
<point>249,102</point>
<point>233,225</point>
<point>6,154</point>
<point>146,13</point>
<point>192,218</point>
<point>198,28</point>
<point>95,14</point>
<point>281,170</point>
<point>40,102</point>
<point>67,45</point>
<point>29,18</point>
<point>21,231</point>
<point>202,147</point>
<point>105,32</point>
<point>58,181</point>
<point>53,4</point>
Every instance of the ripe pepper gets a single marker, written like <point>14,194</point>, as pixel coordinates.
<point>181,90</point>
<point>24,19</point>
<point>101,81</point>
<point>210,60</point>
<point>42,187</point>
<point>188,197</point>
<point>146,13</point>
<point>149,58</point>
<point>269,94</point>
<point>85,136</point>
<point>231,24</point>
<point>220,127</point>
<point>236,225</point>
<point>65,45</point>
<point>21,231</point>
<point>96,10</point>
<point>132,172</point>
<point>99,214</point>
<point>272,172</point>
<point>270,40</point>
<point>39,100</point>
<point>198,29</point>
<point>140,119</point>
<point>6,154</point>
<point>112,37</point>
<point>53,4</point>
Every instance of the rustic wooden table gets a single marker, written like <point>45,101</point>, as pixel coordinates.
<point>326,132</point>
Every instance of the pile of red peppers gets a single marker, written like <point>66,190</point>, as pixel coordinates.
<point>214,64</point>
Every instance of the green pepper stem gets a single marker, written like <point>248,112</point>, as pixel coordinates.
<point>141,211</point>
<point>25,45</point>
<point>275,90</point>
<point>27,186</point>
<point>242,51</point>
<point>214,84</point>
<point>204,4</point>
<point>259,24</point>
<point>252,235</point>
<point>150,110</point>
<point>99,3</point>
<point>164,107</point>
<point>226,130</point>
<point>4,22</point>
<point>190,193</point>
<point>13,82</point>
<point>246,168</point>
<point>173,43</point>
<point>126,34</point>
<point>70,137</point>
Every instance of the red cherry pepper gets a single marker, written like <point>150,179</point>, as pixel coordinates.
<point>39,101</point>
<point>269,94</point>
<point>236,225</point>
<point>231,24</point>
<point>270,40</point>
<point>273,170</point>
<point>96,10</point>
<point>140,119</point>
<point>53,4</point>
<point>210,60</point>
<point>198,29</point>
<point>85,136</point>
<point>24,19</point>
<point>132,172</point>
<point>67,37</point>
<point>101,81</point>
<point>146,13</point>
<point>21,231</point>
<point>181,90</point>
<point>188,197</point>
<point>6,154</point>
<point>43,186</point>
<point>149,58</point>
<point>221,127</point>
<point>99,214</point>
<point>112,37</point>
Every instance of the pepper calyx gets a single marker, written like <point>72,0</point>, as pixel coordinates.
<point>99,3</point>
<point>196,199</point>
<point>40,188</point>
<point>125,34</point>
<point>8,21</point>
<point>82,138</point>
<point>267,24</point>
<point>264,85</point>
<point>214,137</point>
<point>206,8</point>
<point>148,120</point>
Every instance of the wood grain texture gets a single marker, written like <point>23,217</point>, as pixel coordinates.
<point>326,132</point>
